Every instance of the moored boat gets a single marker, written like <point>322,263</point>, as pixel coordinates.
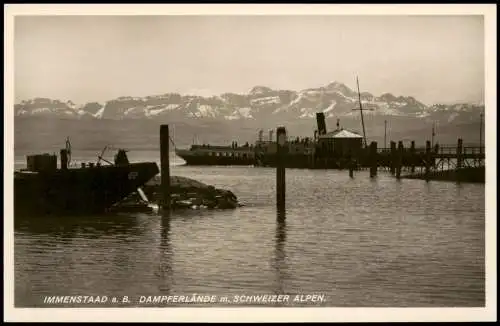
<point>43,188</point>
<point>218,155</point>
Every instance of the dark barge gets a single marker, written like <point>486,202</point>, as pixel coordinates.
<point>44,189</point>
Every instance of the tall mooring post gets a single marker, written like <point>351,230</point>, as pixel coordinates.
<point>392,157</point>
<point>64,159</point>
<point>373,159</point>
<point>481,134</point>
<point>428,155</point>
<point>459,153</point>
<point>350,164</point>
<point>385,135</point>
<point>399,159</point>
<point>436,153</point>
<point>412,156</point>
<point>165,167</point>
<point>280,167</point>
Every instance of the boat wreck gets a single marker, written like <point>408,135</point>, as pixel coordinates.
<point>186,193</point>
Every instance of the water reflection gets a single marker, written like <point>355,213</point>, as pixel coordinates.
<point>361,242</point>
<point>165,255</point>
<point>279,252</point>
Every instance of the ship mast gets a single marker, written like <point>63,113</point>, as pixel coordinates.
<point>481,134</point>
<point>361,111</point>
<point>385,134</point>
<point>433,133</point>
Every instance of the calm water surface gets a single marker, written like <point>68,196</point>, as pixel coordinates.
<point>358,242</point>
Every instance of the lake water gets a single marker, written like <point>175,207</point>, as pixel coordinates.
<point>357,242</point>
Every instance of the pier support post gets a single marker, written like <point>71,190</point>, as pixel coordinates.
<point>413,157</point>
<point>435,154</point>
<point>64,159</point>
<point>373,159</point>
<point>350,164</point>
<point>165,167</point>
<point>392,157</point>
<point>399,160</point>
<point>280,170</point>
<point>427,160</point>
<point>459,153</point>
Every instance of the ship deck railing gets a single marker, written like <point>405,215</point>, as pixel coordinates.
<point>221,148</point>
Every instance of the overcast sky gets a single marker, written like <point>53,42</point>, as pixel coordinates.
<point>97,58</point>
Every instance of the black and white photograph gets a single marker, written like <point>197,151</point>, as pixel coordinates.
<point>320,160</point>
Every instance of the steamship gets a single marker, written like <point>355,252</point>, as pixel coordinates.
<point>325,150</point>
<point>44,189</point>
<point>218,155</point>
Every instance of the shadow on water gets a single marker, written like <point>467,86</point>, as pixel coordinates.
<point>86,226</point>
<point>94,226</point>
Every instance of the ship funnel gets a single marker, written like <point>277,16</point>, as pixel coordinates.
<point>271,135</point>
<point>320,119</point>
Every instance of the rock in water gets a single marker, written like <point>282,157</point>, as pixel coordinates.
<point>189,193</point>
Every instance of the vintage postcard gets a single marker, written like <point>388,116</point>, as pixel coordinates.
<point>210,162</point>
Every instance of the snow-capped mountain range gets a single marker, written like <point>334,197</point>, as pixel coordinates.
<point>335,100</point>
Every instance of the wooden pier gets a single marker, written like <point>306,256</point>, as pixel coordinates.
<point>456,163</point>
<point>460,163</point>
<point>398,159</point>
<point>438,156</point>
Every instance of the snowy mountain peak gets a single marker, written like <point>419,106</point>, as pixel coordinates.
<point>261,103</point>
<point>260,90</point>
<point>340,87</point>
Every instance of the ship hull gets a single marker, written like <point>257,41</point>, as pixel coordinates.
<point>78,191</point>
<point>216,160</point>
<point>291,161</point>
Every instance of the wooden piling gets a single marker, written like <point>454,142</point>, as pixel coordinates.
<point>280,168</point>
<point>393,157</point>
<point>481,135</point>
<point>412,156</point>
<point>64,159</point>
<point>350,164</point>
<point>373,159</point>
<point>165,167</point>
<point>459,153</point>
<point>399,159</point>
<point>427,160</point>
<point>436,153</point>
